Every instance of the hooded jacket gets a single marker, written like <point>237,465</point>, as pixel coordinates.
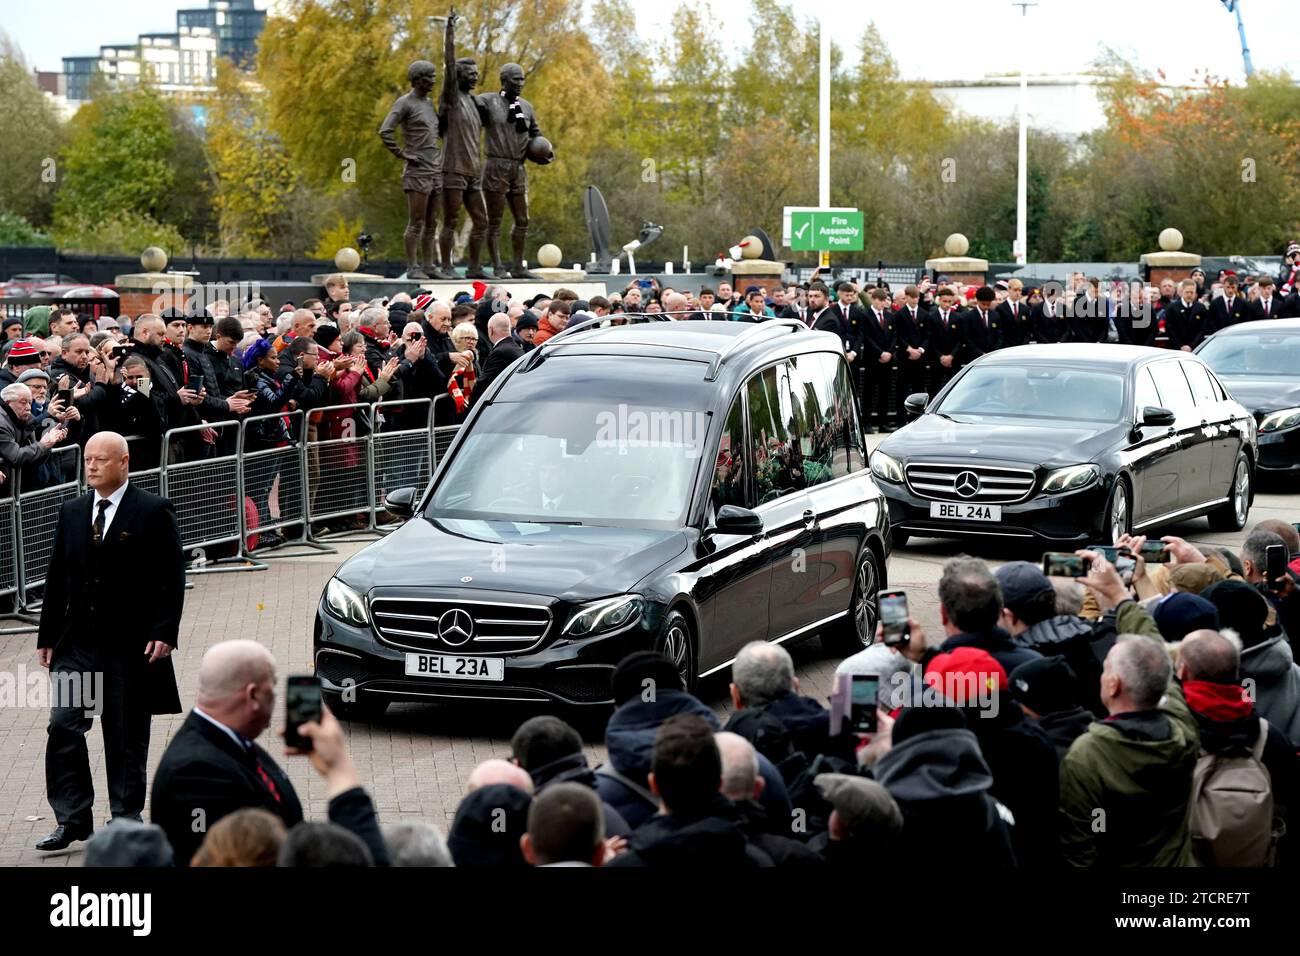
<point>1071,637</point>
<point>808,725</point>
<point>19,447</point>
<point>710,838</point>
<point>941,784</point>
<point>1271,665</point>
<point>1135,770</point>
<point>1063,727</point>
<point>630,738</point>
<point>573,768</point>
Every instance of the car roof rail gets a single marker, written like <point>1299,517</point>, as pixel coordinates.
<point>760,330</point>
<point>535,355</point>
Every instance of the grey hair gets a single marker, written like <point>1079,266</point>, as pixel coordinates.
<point>371,315</point>
<point>438,307</point>
<point>762,673</point>
<point>14,391</point>
<point>284,323</point>
<point>1255,548</point>
<point>1143,666</point>
<point>415,843</point>
<point>739,765</point>
<point>1069,597</point>
<point>970,594</point>
<point>463,330</point>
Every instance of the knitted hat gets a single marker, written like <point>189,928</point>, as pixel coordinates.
<point>22,352</point>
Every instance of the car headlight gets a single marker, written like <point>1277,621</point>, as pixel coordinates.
<point>1071,479</point>
<point>1282,418</point>
<point>886,468</point>
<point>345,603</point>
<point>605,615</point>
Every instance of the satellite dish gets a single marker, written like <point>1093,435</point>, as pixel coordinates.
<point>769,251</point>
<point>597,215</point>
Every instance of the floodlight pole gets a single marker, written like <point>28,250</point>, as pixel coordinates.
<point>1021,249</point>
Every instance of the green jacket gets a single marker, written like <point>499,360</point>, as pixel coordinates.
<point>1126,785</point>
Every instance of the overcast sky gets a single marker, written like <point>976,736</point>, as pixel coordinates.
<point>932,40</point>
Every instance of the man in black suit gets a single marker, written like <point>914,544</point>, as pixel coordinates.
<point>945,338</point>
<point>1267,305</point>
<point>980,327</point>
<point>1229,308</point>
<point>505,349</point>
<point>1135,317</point>
<point>214,765</point>
<point>1089,314</point>
<point>97,626</point>
<point>1048,319</point>
<point>1186,319</point>
<point>913,329</point>
<point>1013,316</point>
<point>879,359</point>
<point>824,317</point>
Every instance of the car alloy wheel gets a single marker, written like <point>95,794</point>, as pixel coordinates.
<point>858,629</point>
<point>675,644</point>
<point>1118,519</point>
<point>1233,514</point>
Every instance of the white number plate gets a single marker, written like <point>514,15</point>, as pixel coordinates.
<point>965,511</point>
<point>465,668</point>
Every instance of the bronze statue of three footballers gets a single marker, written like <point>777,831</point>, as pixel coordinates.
<point>452,177</point>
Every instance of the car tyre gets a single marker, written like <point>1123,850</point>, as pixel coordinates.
<point>857,632</point>
<point>677,643</point>
<point>363,709</point>
<point>1119,512</point>
<point>1232,515</point>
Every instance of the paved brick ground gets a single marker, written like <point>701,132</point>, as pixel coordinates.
<point>416,760</point>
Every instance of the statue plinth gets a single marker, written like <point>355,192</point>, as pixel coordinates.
<point>558,275</point>
<point>964,269</point>
<point>140,292</point>
<point>764,273</point>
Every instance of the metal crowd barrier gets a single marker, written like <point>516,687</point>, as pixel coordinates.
<point>294,490</point>
<point>37,519</point>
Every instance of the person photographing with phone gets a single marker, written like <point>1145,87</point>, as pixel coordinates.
<point>20,448</point>
<point>214,764</point>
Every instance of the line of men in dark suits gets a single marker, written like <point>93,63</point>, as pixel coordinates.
<point>919,349</point>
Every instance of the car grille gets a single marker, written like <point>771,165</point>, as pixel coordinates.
<point>995,485</point>
<point>467,627</point>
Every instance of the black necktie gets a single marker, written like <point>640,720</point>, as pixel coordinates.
<point>99,519</point>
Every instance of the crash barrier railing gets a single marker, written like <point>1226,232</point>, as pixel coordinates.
<point>228,504</point>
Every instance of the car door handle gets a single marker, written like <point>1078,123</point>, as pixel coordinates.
<point>809,519</point>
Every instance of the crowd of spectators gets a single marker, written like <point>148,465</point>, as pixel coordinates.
<point>1109,721</point>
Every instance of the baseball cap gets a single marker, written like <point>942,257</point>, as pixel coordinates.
<point>1021,582</point>
<point>1045,685</point>
<point>950,674</point>
<point>860,801</point>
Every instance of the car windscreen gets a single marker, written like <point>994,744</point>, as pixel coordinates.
<point>566,461</point>
<point>1253,353</point>
<point>1037,391</point>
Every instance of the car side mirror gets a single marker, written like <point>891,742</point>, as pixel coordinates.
<point>400,502</point>
<point>915,404</point>
<point>733,519</point>
<point>1156,416</point>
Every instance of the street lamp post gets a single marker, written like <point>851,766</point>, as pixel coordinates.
<point>1021,247</point>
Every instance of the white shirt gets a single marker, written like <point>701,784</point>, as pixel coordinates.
<point>216,723</point>
<point>110,512</point>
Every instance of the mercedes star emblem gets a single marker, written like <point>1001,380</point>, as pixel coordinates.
<point>967,484</point>
<point>466,579</point>
<point>455,627</point>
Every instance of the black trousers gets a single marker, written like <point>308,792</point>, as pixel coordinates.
<point>118,681</point>
<point>874,394</point>
<point>911,379</point>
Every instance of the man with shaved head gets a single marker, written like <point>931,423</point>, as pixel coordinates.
<point>108,651</point>
<point>504,349</point>
<point>496,770</point>
<point>214,765</point>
